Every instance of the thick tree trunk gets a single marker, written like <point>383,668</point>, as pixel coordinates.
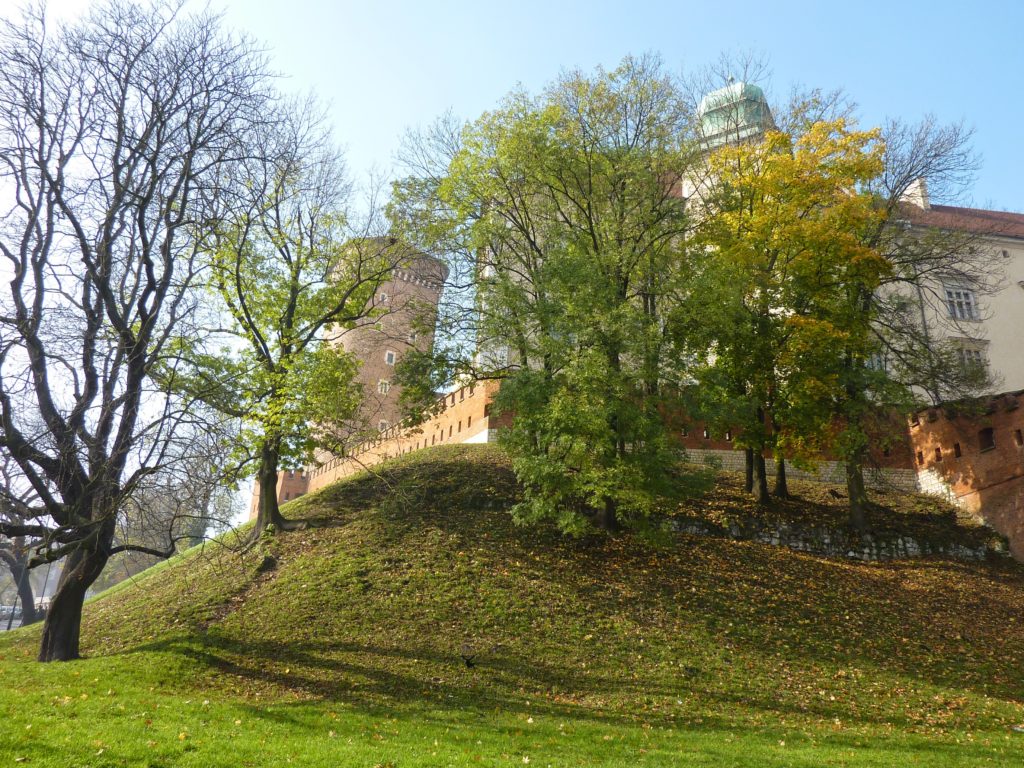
<point>781,490</point>
<point>748,466</point>
<point>858,497</point>
<point>63,625</point>
<point>760,479</point>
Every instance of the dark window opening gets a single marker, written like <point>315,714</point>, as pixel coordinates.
<point>986,439</point>
<point>938,453</point>
<point>920,457</point>
<point>1018,437</point>
<point>707,434</point>
<point>956,450</point>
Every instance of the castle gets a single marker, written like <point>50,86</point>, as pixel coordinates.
<point>975,460</point>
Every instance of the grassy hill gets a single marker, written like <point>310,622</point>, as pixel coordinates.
<point>343,645</point>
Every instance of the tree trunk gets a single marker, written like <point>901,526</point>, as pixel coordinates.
<point>760,479</point>
<point>63,625</point>
<point>607,518</point>
<point>748,466</point>
<point>25,596</point>
<point>858,497</point>
<point>781,486</point>
<point>16,559</point>
<point>268,511</point>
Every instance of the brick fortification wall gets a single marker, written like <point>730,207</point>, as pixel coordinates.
<point>975,458</point>
<point>891,466</point>
<point>464,417</point>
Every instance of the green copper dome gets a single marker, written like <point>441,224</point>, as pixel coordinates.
<point>737,112</point>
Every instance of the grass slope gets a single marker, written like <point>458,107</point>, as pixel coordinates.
<point>345,648</point>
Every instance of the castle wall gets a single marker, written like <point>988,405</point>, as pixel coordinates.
<point>976,460</point>
<point>464,417</point>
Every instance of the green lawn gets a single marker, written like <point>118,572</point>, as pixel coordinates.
<point>603,651</point>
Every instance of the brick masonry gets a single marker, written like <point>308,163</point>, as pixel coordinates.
<point>405,312</point>
<point>462,416</point>
<point>975,458</point>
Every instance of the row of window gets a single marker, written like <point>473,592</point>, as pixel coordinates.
<point>986,442</point>
<point>707,434</point>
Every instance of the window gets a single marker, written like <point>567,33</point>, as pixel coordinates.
<point>1018,437</point>
<point>469,422</point>
<point>413,336</point>
<point>920,457</point>
<point>707,434</point>
<point>383,386</point>
<point>389,357</point>
<point>957,453</point>
<point>382,425</point>
<point>971,357</point>
<point>728,435</point>
<point>961,303</point>
<point>938,453</point>
<point>287,496</point>
<point>383,297</point>
<point>986,439</point>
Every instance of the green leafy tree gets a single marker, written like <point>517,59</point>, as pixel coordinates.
<point>560,213</point>
<point>289,273</point>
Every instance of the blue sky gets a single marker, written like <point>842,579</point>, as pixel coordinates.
<point>386,66</point>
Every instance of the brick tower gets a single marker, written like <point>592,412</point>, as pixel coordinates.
<point>405,313</point>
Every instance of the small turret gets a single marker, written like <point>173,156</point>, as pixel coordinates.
<point>737,112</point>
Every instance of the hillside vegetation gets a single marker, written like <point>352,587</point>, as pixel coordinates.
<point>347,644</point>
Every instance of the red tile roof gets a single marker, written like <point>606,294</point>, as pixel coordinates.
<point>1001,223</point>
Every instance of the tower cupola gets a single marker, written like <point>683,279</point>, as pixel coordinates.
<point>735,113</point>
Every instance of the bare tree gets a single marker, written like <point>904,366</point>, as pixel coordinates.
<point>114,135</point>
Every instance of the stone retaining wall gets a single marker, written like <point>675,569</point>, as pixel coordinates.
<point>831,542</point>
